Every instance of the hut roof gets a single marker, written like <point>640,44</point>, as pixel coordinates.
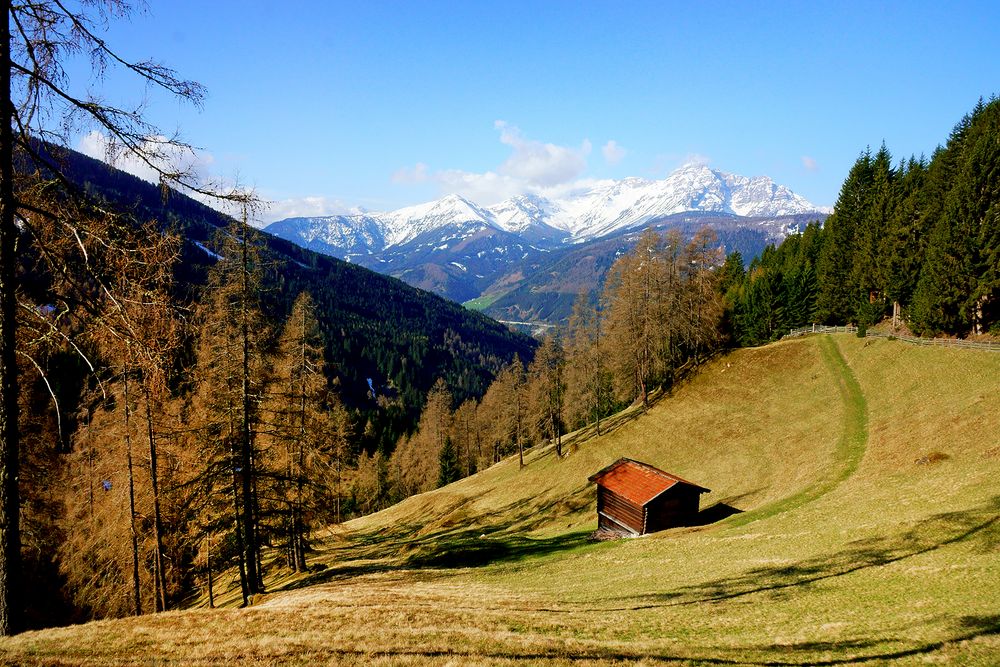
<point>638,482</point>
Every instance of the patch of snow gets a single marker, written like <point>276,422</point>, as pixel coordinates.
<point>213,255</point>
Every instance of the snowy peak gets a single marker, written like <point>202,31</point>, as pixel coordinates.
<point>521,212</point>
<point>591,211</point>
<point>406,224</point>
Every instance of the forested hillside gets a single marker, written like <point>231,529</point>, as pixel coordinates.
<point>375,327</point>
<point>916,240</point>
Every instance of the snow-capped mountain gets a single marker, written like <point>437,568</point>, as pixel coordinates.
<point>461,250</point>
<point>593,211</point>
<point>406,224</point>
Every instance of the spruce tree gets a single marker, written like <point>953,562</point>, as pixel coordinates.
<point>902,246</point>
<point>837,298</point>
<point>878,209</point>
<point>448,463</point>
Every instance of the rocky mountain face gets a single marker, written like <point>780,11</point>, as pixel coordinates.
<point>462,251</point>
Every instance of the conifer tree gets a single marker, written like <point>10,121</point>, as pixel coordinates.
<point>630,323</point>
<point>878,210</point>
<point>230,387</point>
<point>589,382</point>
<point>547,391</point>
<point>448,470</point>
<point>837,298</point>
<point>902,248</point>
<point>306,425</point>
<point>504,405</point>
<point>468,437</point>
<point>416,461</point>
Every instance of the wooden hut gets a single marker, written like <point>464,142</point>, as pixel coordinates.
<point>635,498</point>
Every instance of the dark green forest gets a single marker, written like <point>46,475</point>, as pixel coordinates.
<point>916,240</point>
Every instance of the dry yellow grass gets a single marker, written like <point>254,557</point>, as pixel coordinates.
<point>865,550</point>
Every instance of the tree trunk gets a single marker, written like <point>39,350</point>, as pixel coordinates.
<point>208,566</point>
<point>131,499</point>
<point>158,575</point>
<point>256,531</point>
<point>289,509</point>
<point>339,473</point>
<point>297,523</point>
<point>238,526</point>
<point>246,443</point>
<point>10,504</point>
<point>237,523</point>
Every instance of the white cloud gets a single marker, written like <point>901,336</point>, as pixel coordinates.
<point>408,176</point>
<point>540,164</point>
<point>809,163</point>
<point>164,155</point>
<point>696,159</point>
<point>532,167</point>
<point>194,164</point>
<point>613,153</point>
<point>485,189</point>
<point>302,207</point>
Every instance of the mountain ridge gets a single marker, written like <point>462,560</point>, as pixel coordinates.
<point>592,211</point>
<point>463,251</point>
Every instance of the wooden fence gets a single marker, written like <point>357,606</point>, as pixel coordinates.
<point>939,342</point>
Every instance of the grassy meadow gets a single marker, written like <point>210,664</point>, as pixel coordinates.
<point>854,518</point>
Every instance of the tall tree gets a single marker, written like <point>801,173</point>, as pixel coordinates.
<point>416,461</point>
<point>504,406</point>
<point>868,262</point>
<point>39,107</point>
<point>630,317</point>
<point>306,429</point>
<point>547,390</point>
<point>902,246</point>
<point>837,299</point>
<point>589,382</point>
<point>231,367</point>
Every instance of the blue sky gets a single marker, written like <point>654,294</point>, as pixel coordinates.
<point>325,106</point>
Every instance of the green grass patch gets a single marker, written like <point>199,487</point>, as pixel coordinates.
<point>850,445</point>
<point>481,302</point>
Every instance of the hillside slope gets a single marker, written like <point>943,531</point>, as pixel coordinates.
<point>870,531</point>
<point>376,327</point>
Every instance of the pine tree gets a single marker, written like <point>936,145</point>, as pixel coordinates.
<point>306,427</point>
<point>837,298</point>
<point>631,316</point>
<point>416,461</point>
<point>878,209</point>
<point>588,378</point>
<point>902,248</point>
<point>448,471</point>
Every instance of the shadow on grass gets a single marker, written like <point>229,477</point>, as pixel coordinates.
<point>714,514</point>
<point>980,526</point>
<point>475,550</point>
<point>499,536</point>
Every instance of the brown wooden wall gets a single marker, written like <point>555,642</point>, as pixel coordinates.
<point>677,506</point>
<point>610,503</point>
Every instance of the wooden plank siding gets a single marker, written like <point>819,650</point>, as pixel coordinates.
<point>620,510</point>
<point>677,506</point>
